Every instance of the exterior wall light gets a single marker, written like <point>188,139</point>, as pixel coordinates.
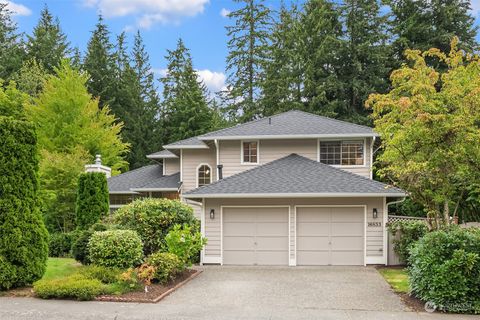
<point>375,213</point>
<point>212,214</point>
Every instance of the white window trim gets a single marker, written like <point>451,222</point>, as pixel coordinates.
<point>211,173</point>
<point>241,153</point>
<point>364,165</point>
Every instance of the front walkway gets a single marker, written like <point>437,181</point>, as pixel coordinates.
<point>337,293</point>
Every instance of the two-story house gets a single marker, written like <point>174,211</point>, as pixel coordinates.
<point>290,189</point>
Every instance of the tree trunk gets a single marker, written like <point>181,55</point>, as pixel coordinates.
<point>446,213</point>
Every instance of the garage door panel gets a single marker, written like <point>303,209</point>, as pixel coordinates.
<point>313,228</point>
<point>347,258</point>
<point>239,257</point>
<point>239,243</point>
<point>347,215</point>
<point>239,229</point>
<point>347,228</point>
<point>272,258</point>
<point>313,243</point>
<point>312,258</point>
<point>347,243</point>
<point>239,215</point>
<point>272,243</point>
<point>270,214</point>
<point>314,215</point>
<point>272,229</point>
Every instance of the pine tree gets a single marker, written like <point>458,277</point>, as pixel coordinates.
<point>186,111</point>
<point>31,77</point>
<point>48,45</point>
<point>248,46</point>
<point>12,53</point>
<point>282,87</point>
<point>431,24</point>
<point>364,57</point>
<point>320,35</point>
<point>99,63</point>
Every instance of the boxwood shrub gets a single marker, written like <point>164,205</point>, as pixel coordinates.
<point>445,269</point>
<point>153,219</point>
<point>167,266</point>
<point>115,248</point>
<point>80,245</point>
<point>76,287</point>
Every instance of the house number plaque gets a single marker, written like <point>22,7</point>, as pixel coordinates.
<point>374,224</point>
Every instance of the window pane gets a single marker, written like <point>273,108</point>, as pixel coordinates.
<point>352,153</point>
<point>330,152</point>
<point>250,152</point>
<point>204,175</point>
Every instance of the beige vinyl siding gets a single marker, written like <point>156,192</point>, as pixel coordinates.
<point>191,159</point>
<point>269,150</point>
<point>374,235</point>
<point>171,166</point>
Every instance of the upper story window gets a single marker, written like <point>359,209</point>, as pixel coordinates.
<point>250,152</point>
<point>204,175</point>
<point>344,153</point>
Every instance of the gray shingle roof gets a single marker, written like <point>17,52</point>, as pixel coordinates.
<point>194,141</point>
<point>293,176</point>
<point>162,155</point>
<point>138,178</point>
<point>292,123</point>
<point>166,182</point>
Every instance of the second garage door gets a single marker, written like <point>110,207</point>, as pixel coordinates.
<point>330,235</point>
<point>255,236</point>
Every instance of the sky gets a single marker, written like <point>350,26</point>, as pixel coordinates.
<point>200,23</point>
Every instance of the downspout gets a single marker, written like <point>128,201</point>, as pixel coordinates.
<point>371,157</point>
<point>217,157</point>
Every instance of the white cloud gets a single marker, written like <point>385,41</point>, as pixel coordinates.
<point>475,4</point>
<point>224,12</point>
<point>215,81</point>
<point>159,72</point>
<point>149,12</point>
<point>17,9</point>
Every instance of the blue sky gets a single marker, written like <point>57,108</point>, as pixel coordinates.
<point>200,23</point>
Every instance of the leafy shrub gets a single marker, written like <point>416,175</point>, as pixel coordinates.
<point>80,245</point>
<point>115,248</point>
<point>92,199</point>
<point>185,243</point>
<point>409,232</point>
<point>23,236</point>
<point>153,219</point>
<point>445,269</point>
<point>167,266</point>
<point>60,244</point>
<point>74,287</point>
<point>104,274</point>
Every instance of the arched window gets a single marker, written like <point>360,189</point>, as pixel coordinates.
<point>204,175</point>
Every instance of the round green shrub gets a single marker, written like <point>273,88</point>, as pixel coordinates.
<point>115,248</point>
<point>409,233</point>
<point>153,219</point>
<point>59,244</point>
<point>445,269</point>
<point>76,287</point>
<point>92,199</point>
<point>23,236</point>
<point>80,247</point>
<point>185,243</point>
<point>167,266</point>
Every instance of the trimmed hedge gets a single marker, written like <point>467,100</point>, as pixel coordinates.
<point>167,266</point>
<point>76,287</point>
<point>115,249</point>
<point>153,219</point>
<point>23,236</point>
<point>92,199</point>
<point>445,269</point>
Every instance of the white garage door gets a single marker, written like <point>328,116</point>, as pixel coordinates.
<point>330,236</point>
<point>255,236</point>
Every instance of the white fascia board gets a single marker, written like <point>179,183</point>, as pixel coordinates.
<point>290,136</point>
<point>162,157</point>
<point>153,189</point>
<point>294,195</point>
<point>186,146</point>
<point>123,192</point>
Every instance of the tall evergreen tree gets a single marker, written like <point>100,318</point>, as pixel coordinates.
<point>283,84</point>
<point>364,57</point>
<point>12,53</point>
<point>248,45</point>
<point>320,35</point>
<point>431,24</point>
<point>99,63</point>
<point>186,111</point>
<point>48,44</point>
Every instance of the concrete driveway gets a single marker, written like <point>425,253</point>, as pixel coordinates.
<point>337,293</point>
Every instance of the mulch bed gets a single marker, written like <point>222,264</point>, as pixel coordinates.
<point>156,292</point>
<point>412,302</point>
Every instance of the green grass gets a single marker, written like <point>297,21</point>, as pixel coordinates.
<point>397,278</point>
<point>60,268</point>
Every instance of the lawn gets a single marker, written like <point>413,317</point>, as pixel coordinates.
<point>60,268</point>
<point>397,278</point>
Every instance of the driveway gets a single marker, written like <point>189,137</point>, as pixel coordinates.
<point>337,293</point>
